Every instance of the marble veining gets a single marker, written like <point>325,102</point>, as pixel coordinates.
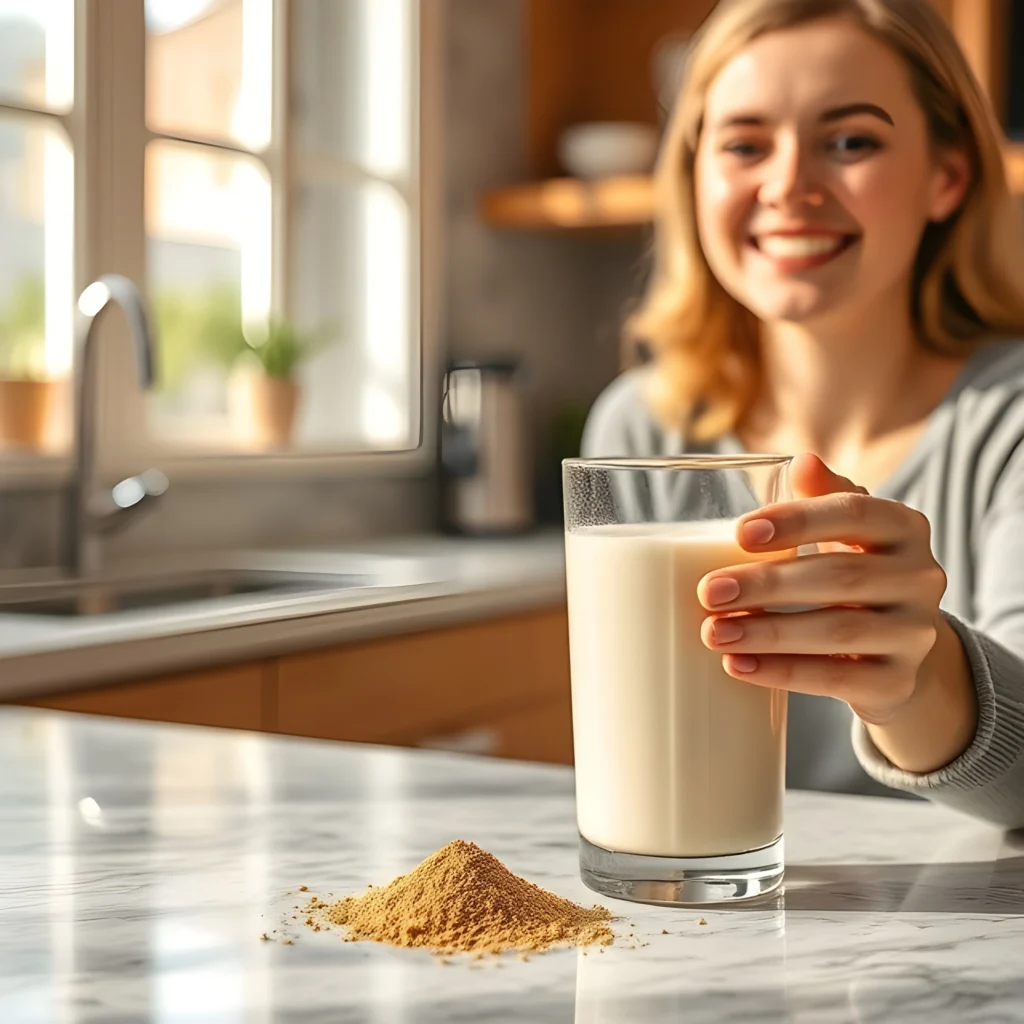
<point>140,864</point>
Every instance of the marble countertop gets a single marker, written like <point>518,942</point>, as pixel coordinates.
<point>426,582</point>
<point>139,866</point>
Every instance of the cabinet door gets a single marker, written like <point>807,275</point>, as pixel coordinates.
<point>402,689</point>
<point>232,697</point>
<point>539,733</point>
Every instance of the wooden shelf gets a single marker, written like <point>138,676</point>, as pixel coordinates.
<point>569,204</point>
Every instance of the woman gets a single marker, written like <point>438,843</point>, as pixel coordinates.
<point>839,272</point>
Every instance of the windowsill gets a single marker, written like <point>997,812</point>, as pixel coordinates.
<point>25,472</point>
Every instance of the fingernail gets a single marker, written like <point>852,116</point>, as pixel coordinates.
<point>757,531</point>
<point>722,590</point>
<point>726,631</point>
<point>743,663</point>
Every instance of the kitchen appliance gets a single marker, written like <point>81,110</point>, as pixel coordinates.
<point>485,448</point>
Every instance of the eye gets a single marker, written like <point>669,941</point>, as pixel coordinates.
<point>851,147</point>
<point>742,148</point>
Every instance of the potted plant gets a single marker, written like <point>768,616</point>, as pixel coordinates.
<point>265,392</point>
<point>27,398</point>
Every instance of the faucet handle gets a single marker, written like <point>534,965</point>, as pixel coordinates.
<point>127,497</point>
<point>151,483</point>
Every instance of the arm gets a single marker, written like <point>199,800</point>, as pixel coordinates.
<point>987,778</point>
<point>944,701</point>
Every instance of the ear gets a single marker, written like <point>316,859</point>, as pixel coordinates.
<point>951,178</point>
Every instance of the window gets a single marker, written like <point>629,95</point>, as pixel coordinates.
<point>36,207</point>
<point>254,165</point>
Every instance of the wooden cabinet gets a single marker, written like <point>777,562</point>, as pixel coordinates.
<point>542,732</point>
<point>494,677</point>
<point>236,697</point>
<point>497,687</point>
<point>980,27</point>
<point>591,60</point>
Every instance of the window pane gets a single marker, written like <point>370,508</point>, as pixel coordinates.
<point>208,253</point>
<point>353,278</point>
<point>208,69</point>
<point>355,73</point>
<point>36,263</point>
<point>37,53</point>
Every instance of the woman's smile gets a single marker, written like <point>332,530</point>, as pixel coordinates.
<point>796,250</point>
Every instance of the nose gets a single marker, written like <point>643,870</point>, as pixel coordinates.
<point>789,178</point>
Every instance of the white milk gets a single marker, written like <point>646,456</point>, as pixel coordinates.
<point>673,756</point>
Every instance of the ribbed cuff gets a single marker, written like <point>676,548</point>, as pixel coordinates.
<point>998,744</point>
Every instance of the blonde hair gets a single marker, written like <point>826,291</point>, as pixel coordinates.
<point>704,342</point>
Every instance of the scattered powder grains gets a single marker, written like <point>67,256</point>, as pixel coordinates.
<point>462,899</point>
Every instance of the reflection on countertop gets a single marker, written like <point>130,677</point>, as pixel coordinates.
<point>420,582</point>
<point>139,866</point>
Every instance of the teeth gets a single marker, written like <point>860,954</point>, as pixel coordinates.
<point>796,246</point>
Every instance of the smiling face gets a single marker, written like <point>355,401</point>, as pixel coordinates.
<point>815,177</point>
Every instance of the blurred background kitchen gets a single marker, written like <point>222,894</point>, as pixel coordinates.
<point>387,247</point>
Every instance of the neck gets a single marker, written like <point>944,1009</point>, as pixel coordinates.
<point>835,388</point>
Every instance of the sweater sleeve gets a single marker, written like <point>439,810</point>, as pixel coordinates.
<point>987,780</point>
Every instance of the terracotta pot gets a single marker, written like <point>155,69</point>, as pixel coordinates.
<point>27,408</point>
<point>264,410</point>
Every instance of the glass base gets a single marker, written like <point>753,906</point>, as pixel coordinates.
<point>682,881</point>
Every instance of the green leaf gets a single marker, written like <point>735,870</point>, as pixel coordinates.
<point>23,331</point>
<point>280,347</point>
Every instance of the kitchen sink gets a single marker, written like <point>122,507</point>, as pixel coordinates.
<point>69,599</point>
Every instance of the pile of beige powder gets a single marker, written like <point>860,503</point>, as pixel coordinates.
<point>463,899</point>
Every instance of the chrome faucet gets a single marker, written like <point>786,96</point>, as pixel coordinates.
<point>91,513</point>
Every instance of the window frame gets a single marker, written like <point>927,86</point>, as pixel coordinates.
<point>108,134</point>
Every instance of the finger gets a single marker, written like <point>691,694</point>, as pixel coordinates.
<point>846,518</point>
<point>825,631</point>
<point>865,683</point>
<point>831,578</point>
<point>809,477</point>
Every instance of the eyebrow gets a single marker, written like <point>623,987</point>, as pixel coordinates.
<point>833,114</point>
<point>838,113</point>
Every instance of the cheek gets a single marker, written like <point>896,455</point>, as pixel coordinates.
<point>722,206</point>
<point>888,202</point>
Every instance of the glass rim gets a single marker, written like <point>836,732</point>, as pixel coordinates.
<point>705,462</point>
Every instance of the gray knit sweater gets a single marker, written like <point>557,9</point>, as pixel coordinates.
<point>966,474</point>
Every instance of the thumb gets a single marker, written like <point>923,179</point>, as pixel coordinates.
<point>811,478</point>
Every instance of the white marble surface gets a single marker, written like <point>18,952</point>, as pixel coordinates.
<point>140,864</point>
<point>429,581</point>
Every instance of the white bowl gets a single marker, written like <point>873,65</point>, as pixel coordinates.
<point>601,149</point>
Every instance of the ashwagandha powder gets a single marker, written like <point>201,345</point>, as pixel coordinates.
<point>463,899</point>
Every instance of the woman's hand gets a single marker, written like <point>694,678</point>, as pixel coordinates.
<point>875,638</point>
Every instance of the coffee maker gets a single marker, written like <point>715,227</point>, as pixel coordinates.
<point>485,448</point>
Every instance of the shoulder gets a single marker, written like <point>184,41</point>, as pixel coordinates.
<point>988,418</point>
<point>620,422</point>
<point>998,367</point>
<point>990,391</point>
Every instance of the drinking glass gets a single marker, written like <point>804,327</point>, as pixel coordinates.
<point>680,768</point>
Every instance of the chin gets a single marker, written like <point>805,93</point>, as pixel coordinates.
<point>796,306</point>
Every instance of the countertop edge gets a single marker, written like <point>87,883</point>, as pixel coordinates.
<point>62,670</point>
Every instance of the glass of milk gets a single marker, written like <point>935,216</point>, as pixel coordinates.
<point>680,769</point>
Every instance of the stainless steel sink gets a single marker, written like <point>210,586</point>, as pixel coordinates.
<point>103,597</point>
